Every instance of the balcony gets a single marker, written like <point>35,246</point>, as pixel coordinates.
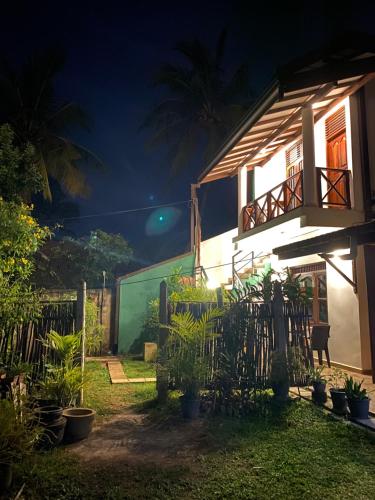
<point>333,189</point>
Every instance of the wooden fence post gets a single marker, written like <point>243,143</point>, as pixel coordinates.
<point>279,327</point>
<point>161,371</point>
<point>219,297</point>
<point>81,326</point>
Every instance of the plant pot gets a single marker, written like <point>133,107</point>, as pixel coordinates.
<point>359,408</point>
<point>281,390</point>
<point>53,434</point>
<point>189,407</point>
<point>319,387</point>
<point>40,402</point>
<point>6,477</point>
<point>79,423</point>
<point>339,402</point>
<point>48,414</point>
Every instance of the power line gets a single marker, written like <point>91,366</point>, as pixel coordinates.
<point>120,212</point>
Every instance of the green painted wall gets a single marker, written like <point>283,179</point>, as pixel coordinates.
<point>135,296</point>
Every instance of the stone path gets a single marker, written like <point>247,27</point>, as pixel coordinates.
<point>116,371</point>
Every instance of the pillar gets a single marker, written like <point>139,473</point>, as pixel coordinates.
<point>242,193</point>
<point>310,192</point>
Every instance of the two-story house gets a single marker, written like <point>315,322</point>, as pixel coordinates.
<point>304,158</point>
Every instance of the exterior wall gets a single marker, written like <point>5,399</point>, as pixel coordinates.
<point>135,292</point>
<point>370,119</point>
<point>217,251</point>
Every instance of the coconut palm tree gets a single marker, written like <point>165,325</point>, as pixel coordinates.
<point>201,105</point>
<point>28,102</point>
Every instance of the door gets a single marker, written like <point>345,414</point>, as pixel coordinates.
<point>337,160</point>
<point>293,184</point>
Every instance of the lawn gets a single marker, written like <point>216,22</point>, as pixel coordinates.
<point>295,453</point>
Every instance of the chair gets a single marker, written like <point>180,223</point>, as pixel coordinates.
<point>319,342</point>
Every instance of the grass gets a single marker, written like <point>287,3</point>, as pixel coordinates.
<point>138,369</point>
<point>292,453</point>
<point>110,399</point>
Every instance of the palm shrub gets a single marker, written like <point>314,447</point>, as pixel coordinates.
<point>187,361</point>
<point>63,380</point>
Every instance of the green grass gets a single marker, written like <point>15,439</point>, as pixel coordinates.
<point>294,453</point>
<point>138,369</point>
<point>108,399</point>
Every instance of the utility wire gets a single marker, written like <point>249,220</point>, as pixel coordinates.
<point>120,212</point>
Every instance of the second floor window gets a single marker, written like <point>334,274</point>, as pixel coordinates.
<point>293,187</point>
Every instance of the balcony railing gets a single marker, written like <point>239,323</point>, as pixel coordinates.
<point>333,187</point>
<point>283,198</point>
<point>333,191</point>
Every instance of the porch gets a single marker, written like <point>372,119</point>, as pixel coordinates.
<point>333,188</point>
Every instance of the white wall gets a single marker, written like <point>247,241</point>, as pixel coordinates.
<point>218,251</point>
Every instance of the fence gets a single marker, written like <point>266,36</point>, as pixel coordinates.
<point>247,336</point>
<point>23,343</point>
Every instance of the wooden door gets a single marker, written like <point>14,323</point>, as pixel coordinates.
<point>337,159</point>
<point>293,184</point>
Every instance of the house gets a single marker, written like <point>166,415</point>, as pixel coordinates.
<point>304,158</point>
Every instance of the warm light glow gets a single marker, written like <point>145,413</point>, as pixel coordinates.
<point>212,284</point>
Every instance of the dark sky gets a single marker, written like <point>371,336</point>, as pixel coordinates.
<point>113,51</point>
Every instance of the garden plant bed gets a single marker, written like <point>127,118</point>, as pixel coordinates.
<point>151,453</point>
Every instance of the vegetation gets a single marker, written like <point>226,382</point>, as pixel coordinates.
<point>354,389</point>
<point>28,102</point>
<point>336,378</point>
<point>93,328</point>
<point>201,105</point>
<point>19,176</point>
<point>316,375</point>
<point>65,263</point>
<point>63,380</point>
<point>187,362</point>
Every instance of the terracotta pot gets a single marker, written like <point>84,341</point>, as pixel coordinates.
<point>79,423</point>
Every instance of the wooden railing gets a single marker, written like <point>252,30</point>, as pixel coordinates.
<point>333,187</point>
<point>283,198</point>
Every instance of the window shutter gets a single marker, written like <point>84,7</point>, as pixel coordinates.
<point>335,124</point>
<point>294,154</point>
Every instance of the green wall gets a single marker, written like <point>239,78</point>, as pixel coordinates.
<point>136,292</point>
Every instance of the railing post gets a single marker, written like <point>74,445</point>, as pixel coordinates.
<point>319,186</point>
<point>242,194</point>
<point>281,341</point>
<point>161,369</point>
<point>310,197</point>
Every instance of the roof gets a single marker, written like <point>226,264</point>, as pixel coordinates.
<point>321,79</point>
<point>361,234</point>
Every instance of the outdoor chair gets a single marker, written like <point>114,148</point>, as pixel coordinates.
<point>319,342</point>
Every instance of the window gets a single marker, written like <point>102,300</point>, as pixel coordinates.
<point>336,155</point>
<point>314,283</point>
<point>294,165</point>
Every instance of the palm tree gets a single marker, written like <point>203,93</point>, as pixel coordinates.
<point>28,102</point>
<point>201,105</point>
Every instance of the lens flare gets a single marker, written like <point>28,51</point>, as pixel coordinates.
<point>162,220</point>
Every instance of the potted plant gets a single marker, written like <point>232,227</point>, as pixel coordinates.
<point>319,384</point>
<point>279,376</point>
<point>187,362</point>
<point>358,400</point>
<point>18,435</point>
<point>337,391</point>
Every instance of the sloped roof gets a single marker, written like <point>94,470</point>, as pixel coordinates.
<point>322,78</point>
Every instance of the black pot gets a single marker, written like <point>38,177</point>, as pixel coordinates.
<point>48,414</point>
<point>6,477</point>
<point>359,408</point>
<point>339,402</point>
<point>39,402</point>
<point>319,387</point>
<point>189,407</point>
<point>281,390</point>
<point>53,434</point>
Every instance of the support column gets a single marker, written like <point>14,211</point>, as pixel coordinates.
<point>242,194</point>
<point>310,192</point>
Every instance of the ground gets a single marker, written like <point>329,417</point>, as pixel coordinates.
<point>140,451</point>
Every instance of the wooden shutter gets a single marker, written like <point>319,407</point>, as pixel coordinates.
<point>294,154</point>
<point>335,124</point>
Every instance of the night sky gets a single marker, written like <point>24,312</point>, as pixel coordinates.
<point>113,51</point>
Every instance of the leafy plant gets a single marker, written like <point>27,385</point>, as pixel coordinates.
<point>18,432</point>
<point>337,378</point>
<point>94,330</point>
<point>65,347</point>
<point>316,375</point>
<point>187,362</point>
<point>354,389</point>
